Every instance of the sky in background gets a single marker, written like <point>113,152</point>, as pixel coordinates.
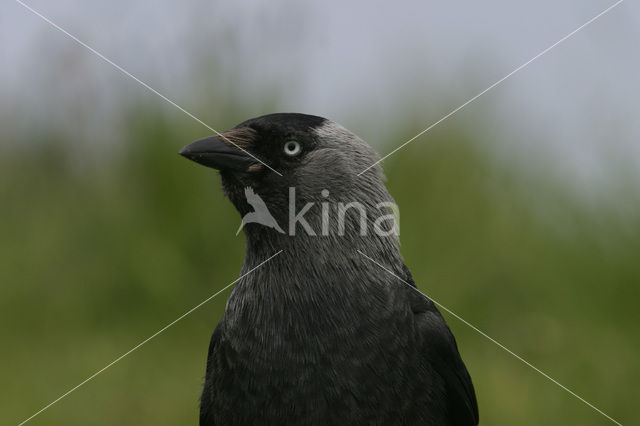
<point>360,63</point>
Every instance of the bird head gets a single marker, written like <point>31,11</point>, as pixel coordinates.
<point>317,158</point>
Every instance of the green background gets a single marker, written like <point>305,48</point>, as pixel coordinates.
<point>98,253</point>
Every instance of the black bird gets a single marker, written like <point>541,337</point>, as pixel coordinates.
<point>320,334</point>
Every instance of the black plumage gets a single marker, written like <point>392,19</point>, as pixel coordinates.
<point>319,334</point>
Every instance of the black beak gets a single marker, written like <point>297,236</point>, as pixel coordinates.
<point>214,153</point>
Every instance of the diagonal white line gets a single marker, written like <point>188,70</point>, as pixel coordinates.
<point>518,357</point>
<point>494,84</point>
<point>128,74</point>
<point>145,341</point>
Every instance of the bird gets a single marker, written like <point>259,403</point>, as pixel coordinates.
<point>260,214</point>
<point>314,332</point>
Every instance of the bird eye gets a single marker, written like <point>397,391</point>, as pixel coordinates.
<point>292,148</point>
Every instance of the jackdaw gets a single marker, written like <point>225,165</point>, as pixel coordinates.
<point>320,334</point>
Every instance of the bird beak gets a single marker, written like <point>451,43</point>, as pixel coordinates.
<point>213,152</point>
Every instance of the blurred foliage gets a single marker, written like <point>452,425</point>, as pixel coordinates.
<point>96,254</point>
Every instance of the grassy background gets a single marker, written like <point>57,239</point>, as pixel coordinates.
<point>98,253</point>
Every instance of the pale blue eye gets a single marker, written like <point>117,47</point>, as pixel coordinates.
<point>292,148</point>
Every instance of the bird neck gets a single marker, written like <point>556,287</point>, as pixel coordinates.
<point>319,254</point>
<point>307,288</point>
<point>263,242</point>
